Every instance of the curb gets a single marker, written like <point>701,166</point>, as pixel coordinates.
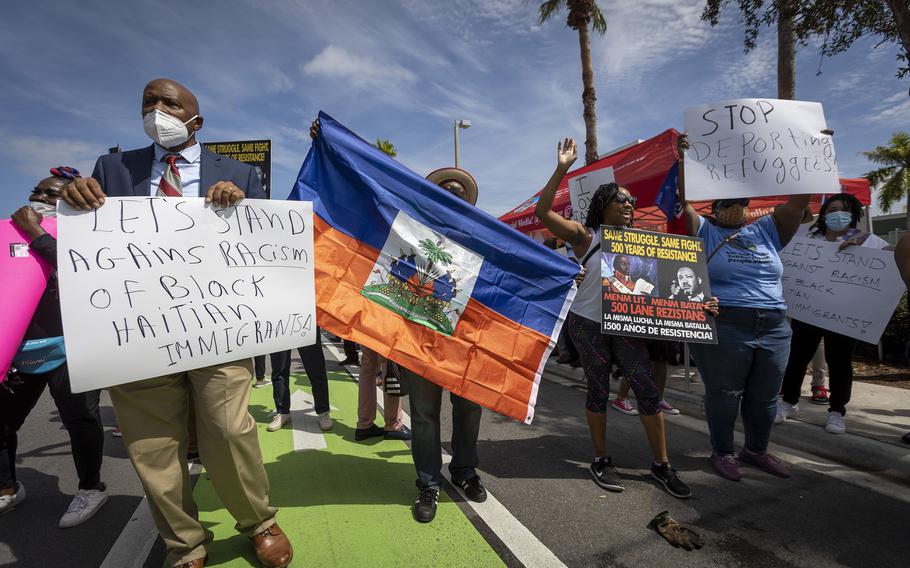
<point>862,453</point>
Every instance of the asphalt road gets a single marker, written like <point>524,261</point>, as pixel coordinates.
<point>826,515</point>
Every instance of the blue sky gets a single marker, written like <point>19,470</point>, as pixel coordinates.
<point>74,71</point>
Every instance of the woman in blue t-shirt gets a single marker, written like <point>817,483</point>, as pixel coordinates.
<point>743,372</point>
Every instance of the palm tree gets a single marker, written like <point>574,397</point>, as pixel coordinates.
<point>786,51</point>
<point>582,13</point>
<point>386,146</point>
<point>893,180</point>
<point>435,252</point>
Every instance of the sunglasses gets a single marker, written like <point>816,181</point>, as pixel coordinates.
<point>723,203</point>
<point>622,199</point>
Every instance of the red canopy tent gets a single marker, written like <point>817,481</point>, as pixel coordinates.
<point>642,169</point>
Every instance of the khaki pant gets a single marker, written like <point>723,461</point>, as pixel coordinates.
<point>153,417</point>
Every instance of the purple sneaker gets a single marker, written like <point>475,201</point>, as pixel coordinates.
<point>765,462</point>
<point>726,467</point>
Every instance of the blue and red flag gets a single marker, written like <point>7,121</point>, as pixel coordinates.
<point>427,280</point>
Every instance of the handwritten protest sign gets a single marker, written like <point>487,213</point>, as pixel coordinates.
<point>151,286</point>
<point>582,188</point>
<point>852,292</point>
<point>758,147</point>
<point>654,285</point>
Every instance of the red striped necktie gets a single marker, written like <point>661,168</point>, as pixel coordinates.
<point>170,186</point>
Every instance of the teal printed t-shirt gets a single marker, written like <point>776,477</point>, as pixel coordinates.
<point>746,271</point>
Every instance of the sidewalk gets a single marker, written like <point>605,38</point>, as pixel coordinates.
<point>877,417</point>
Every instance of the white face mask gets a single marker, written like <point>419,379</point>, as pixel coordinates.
<point>43,209</point>
<point>164,129</point>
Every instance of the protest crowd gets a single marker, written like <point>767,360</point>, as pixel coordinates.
<point>428,294</point>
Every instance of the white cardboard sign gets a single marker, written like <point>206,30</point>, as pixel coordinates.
<point>758,147</point>
<point>852,292</point>
<point>151,286</point>
<point>582,188</point>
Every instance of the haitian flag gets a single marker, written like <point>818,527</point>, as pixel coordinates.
<point>427,280</point>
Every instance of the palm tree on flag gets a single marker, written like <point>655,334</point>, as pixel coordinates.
<point>893,179</point>
<point>386,146</point>
<point>582,13</point>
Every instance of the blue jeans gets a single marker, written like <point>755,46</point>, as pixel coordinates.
<point>743,373</point>
<point>426,445</point>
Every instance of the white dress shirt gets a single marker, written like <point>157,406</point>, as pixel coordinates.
<point>188,164</point>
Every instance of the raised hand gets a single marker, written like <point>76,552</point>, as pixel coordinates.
<point>29,221</point>
<point>314,130</point>
<point>566,153</point>
<point>84,194</point>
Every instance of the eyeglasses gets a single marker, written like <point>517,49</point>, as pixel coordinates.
<point>622,199</point>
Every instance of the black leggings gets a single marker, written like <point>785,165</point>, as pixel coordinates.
<point>838,354</point>
<point>599,351</point>
<point>80,415</point>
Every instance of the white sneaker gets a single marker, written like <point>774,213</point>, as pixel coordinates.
<point>837,424</point>
<point>325,421</point>
<point>83,506</point>
<point>263,382</point>
<point>278,422</point>
<point>784,410</point>
<point>9,502</point>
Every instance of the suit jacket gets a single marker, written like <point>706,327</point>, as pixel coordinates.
<point>129,173</point>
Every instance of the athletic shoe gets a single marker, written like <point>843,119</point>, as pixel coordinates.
<point>623,405</point>
<point>837,424</point>
<point>263,382</point>
<point>819,395</point>
<point>473,488</point>
<point>670,480</point>
<point>325,421</point>
<point>9,502</point>
<point>403,434</point>
<point>350,361</point>
<point>668,408</point>
<point>765,462</point>
<point>278,422</point>
<point>83,506</point>
<point>726,467</point>
<point>374,431</point>
<point>116,432</point>
<point>784,410</point>
<point>605,475</point>
<point>424,509</point>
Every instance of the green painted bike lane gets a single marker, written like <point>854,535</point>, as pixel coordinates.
<point>346,505</point>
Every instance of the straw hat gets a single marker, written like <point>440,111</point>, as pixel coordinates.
<point>467,181</point>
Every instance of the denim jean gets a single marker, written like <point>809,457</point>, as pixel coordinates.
<point>426,445</point>
<point>743,373</point>
<point>313,360</point>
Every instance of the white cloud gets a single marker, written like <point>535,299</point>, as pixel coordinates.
<point>361,72</point>
<point>894,110</point>
<point>35,155</point>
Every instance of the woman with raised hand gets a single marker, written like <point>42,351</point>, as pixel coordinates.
<point>836,222</point>
<point>743,372</point>
<point>610,205</point>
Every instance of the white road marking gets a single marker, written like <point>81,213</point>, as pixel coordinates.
<point>305,424</point>
<point>517,538</point>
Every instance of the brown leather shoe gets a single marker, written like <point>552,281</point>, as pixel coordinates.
<point>198,563</point>
<point>273,547</point>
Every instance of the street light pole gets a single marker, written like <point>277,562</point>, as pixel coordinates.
<point>459,124</point>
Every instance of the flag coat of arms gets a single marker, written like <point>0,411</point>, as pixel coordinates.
<point>427,280</point>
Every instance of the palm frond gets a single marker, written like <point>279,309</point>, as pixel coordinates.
<point>894,189</point>
<point>548,9</point>
<point>598,22</point>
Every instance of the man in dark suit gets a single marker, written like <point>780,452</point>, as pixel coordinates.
<point>153,413</point>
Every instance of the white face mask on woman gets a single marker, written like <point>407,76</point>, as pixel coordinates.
<point>43,209</point>
<point>164,129</point>
<point>837,221</point>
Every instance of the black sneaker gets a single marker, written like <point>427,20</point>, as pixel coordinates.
<point>424,509</point>
<point>473,488</point>
<point>606,476</point>
<point>374,431</point>
<point>667,475</point>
